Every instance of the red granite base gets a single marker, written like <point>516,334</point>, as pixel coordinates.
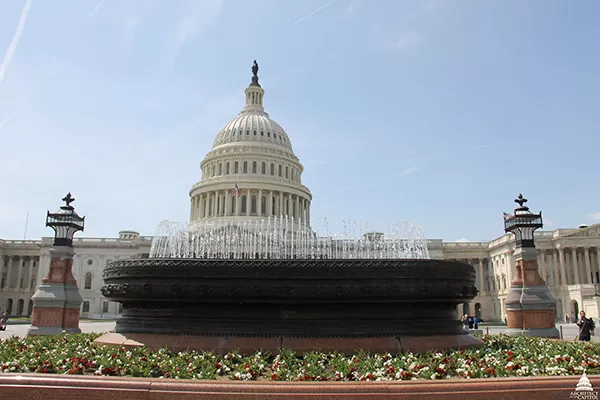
<point>223,345</point>
<point>48,387</point>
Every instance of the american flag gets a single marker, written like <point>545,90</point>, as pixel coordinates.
<point>507,216</point>
<point>237,190</point>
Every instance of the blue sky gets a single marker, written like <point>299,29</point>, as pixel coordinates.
<point>439,112</point>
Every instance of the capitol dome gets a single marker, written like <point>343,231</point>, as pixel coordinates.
<point>251,173</point>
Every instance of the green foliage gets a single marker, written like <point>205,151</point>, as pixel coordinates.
<point>500,356</point>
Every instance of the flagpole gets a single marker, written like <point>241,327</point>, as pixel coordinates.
<point>26,222</point>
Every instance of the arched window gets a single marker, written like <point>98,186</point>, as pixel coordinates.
<point>245,167</point>
<point>235,168</point>
<point>264,168</point>
<point>292,173</point>
<point>272,169</point>
<point>227,169</point>
<point>280,170</point>
<point>286,172</point>
<point>220,169</point>
<point>263,205</point>
<point>253,205</point>
<point>233,198</point>
<point>210,207</point>
<point>253,167</point>
<point>244,204</point>
<point>214,170</point>
<point>88,281</point>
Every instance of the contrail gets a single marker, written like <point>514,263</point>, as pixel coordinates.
<point>15,40</point>
<point>314,12</point>
<point>91,14</point>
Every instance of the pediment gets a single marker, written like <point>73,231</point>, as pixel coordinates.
<point>590,231</point>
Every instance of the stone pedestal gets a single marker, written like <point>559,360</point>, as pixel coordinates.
<point>57,301</point>
<point>530,306</point>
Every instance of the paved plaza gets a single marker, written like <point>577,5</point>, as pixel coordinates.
<point>569,331</point>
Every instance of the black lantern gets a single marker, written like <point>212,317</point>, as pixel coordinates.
<point>522,223</point>
<point>65,223</point>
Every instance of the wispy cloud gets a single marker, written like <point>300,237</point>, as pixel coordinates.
<point>199,17</point>
<point>405,40</point>
<point>409,171</point>
<point>130,27</point>
<point>3,122</point>
<point>10,51</point>
<point>315,11</point>
<point>95,10</point>
<point>595,216</point>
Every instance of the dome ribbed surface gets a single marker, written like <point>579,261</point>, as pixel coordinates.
<point>253,126</point>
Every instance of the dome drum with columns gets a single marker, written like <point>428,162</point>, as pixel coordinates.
<point>251,173</point>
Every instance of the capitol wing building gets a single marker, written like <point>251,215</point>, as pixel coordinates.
<point>252,174</point>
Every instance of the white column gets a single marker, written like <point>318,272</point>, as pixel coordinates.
<point>248,203</point>
<point>280,211</point>
<point>227,203</point>
<point>297,207</point>
<point>575,266</point>
<point>30,273</point>
<point>270,203</point>
<point>206,202</point>
<point>588,267</point>
<point>481,284</point>
<point>21,261</point>
<point>9,272</point>
<point>308,212</point>
<point>561,260</point>
<point>259,203</point>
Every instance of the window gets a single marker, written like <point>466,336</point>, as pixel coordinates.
<point>262,133</point>
<point>254,133</point>
<point>253,205</point>
<point>245,167</point>
<point>88,281</point>
<point>105,307</point>
<point>235,167</point>
<point>120,308</point>
<point>268,134</point>
<point>210,207</point>
<point>292,173</point>
<point>227,169</point>
<point>253,167</point>
<point>233,199</point>
<point>243,203</point>
<point>89,262</point>
<point>264,168</point>
<point>220,169</point>
<point>263,205</point>
<point>280,170</point>
<point>272,169</point>
<point>85,306</point>
<point>286,172</point>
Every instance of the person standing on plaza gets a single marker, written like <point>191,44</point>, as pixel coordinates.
<point>586,327</point>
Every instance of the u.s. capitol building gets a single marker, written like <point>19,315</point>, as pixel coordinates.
<point>252,174</point>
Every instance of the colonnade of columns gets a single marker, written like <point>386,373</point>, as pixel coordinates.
<point>254,202</point>
<point>23,267</point>
<point>569,265</point>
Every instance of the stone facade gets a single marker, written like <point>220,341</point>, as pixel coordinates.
<point>567,258</point>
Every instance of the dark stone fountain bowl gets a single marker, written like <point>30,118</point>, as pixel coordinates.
<point>306,304</point>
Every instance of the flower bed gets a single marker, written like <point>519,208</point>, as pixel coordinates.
<point>501,356</point>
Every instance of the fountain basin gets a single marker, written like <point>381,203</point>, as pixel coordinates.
<point>295,301</point>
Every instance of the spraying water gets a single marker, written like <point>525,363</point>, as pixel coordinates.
<point>285,238</point>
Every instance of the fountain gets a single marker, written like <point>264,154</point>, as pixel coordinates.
<point>274,283</point>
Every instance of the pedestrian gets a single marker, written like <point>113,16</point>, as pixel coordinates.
<point>586,327</point>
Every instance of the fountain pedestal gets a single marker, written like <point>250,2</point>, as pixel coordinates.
<point>380,305</point>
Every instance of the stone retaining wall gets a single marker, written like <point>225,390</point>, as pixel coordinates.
<point>38,386</point>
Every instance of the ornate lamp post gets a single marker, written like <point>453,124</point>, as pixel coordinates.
<point>530,307</point>
<point>57,301</point>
